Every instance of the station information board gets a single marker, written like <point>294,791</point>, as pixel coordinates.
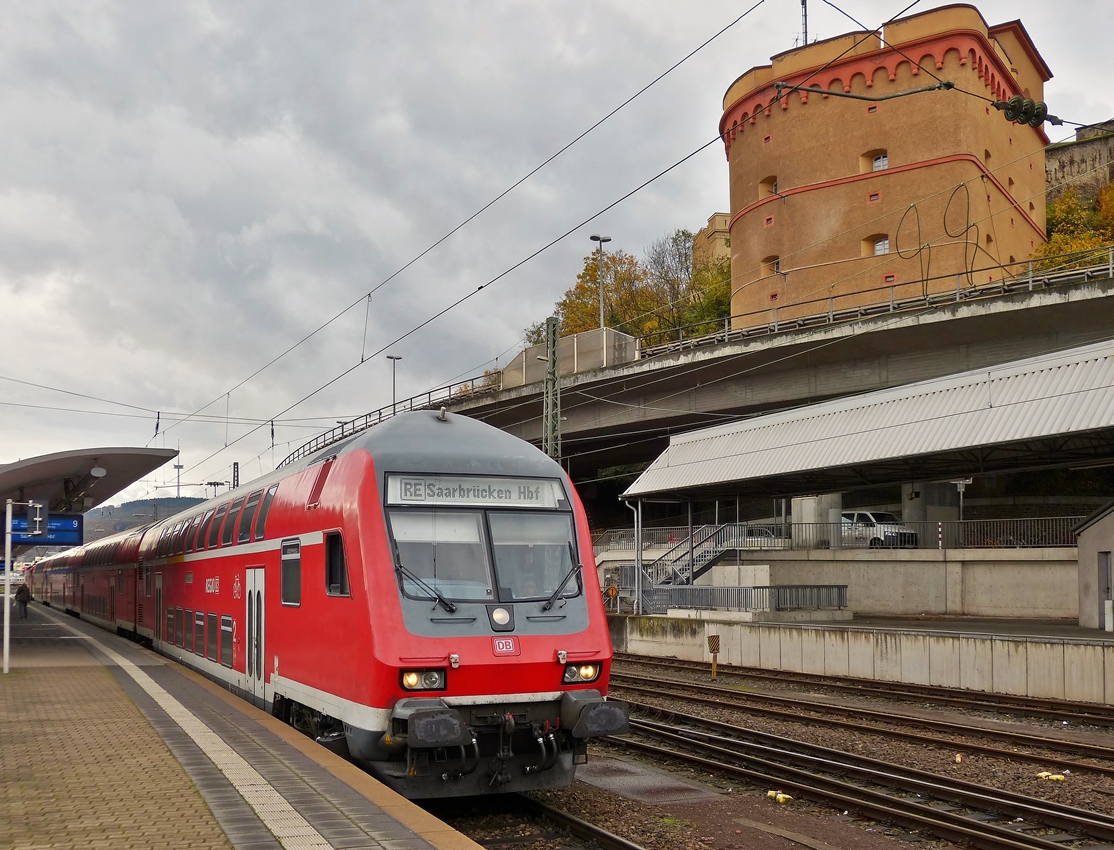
<point>61,530</point>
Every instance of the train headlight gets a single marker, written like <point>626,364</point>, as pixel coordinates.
<point>576,673</point>
<point>423,680</point>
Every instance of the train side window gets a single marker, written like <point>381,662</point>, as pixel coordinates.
<point>169,625</point>
<point>188,623</point>
<point>172,538</point>
<point>160,547</point>
<point>291,575</point>
<point>229,533</point>
<point>319,483</point>
<point>211,638</point>
<point>203,532</point>
<point>336,567</point>
<point>191,535</point>
<point>225,640</point>
<point>180,538</point>
<point>265,508</point>
<point>199,633</point>
<point>214,530</point>
<point>179,627</point>
<point>243,535</point>
<point>147,581</point>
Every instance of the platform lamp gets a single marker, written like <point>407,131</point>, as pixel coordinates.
<point>595,237</point>
<point>394,358</point>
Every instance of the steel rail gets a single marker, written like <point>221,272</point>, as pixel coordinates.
<point>1052,709</point>
<point>739,702</point>
<point>921,782</point>
<point>578,827</point>
<point>874,804</point>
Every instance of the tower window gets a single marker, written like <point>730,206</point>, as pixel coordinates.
<point>874,160</point>
<point>771,265</point>
<point>876,245</point>
<point>767,187</point>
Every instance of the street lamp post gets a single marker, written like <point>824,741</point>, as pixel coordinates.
<point>394,358</point>
<point>595,237</point>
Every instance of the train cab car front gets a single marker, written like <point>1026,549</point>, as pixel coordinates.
<point>502,665</point>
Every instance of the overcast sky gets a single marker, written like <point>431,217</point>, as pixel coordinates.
<point>187,189</point>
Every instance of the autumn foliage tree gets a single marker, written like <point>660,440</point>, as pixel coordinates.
<point>655,297</point>
<point>1075,224</point>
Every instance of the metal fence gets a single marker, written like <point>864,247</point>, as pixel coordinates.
<point>1071,269</point>
<point>657,599</point>
<point>1030,533</point>
<point>423,401</point>
<point>786,597</point>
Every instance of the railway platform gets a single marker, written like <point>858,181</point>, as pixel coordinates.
<point>1054,659</point>
<point>106,744</point>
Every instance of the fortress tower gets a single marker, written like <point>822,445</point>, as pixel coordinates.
<point>837,203</point>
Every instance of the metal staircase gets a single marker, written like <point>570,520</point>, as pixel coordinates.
<point>694,556</point>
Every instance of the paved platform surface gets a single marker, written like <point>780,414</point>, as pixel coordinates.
<point>1067,629</point>
<point>105,744</point>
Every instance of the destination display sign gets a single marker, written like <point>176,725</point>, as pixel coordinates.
<point>466,491</point>
<point>61,530</point>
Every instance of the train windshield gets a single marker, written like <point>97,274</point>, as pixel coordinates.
<point>533,554</point>
<point>445,551</point>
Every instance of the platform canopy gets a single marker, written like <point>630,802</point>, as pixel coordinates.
<point>1055,410</point>
<point>79,480</point>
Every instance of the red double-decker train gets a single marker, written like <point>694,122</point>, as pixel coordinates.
<point>421,596</point>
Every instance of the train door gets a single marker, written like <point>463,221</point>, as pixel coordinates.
<point>158,607</point>
<point>253,642</point>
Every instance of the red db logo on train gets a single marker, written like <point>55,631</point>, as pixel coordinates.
<point>504,646</point>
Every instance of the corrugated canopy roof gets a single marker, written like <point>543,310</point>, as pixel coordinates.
<point>1042,412</point>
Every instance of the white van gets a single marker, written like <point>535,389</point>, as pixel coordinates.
<point>876,530</point>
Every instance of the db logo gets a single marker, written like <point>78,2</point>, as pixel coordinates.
<point>504,646</point>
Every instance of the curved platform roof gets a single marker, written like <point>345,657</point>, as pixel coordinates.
<point>66,479</point>
<point>1043,412</point>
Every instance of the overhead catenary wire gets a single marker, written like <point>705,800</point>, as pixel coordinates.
<point>697,367</point>
<point>471,294</point>
<point>491,203</point>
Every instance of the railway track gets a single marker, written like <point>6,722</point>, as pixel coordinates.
<point>553,825</point>
<point>788,708</point>
<point>1050,709</point>
<point>950,809</point>
<point>580,828</point>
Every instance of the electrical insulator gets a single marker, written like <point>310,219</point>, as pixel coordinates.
<point>1026,111</point>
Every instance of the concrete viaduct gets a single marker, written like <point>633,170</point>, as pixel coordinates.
<point>625,413</point>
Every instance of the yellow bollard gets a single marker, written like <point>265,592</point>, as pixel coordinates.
<point>713,647</point>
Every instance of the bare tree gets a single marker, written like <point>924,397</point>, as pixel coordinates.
<point>669,265</point>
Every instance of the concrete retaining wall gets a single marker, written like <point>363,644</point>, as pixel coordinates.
<point>1033,583</point>
<point>1030,666</point>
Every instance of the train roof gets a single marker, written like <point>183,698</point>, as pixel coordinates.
<point>456,445</point>
<point>418,441</point>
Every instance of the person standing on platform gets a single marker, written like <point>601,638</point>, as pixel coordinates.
<point>22,597</point>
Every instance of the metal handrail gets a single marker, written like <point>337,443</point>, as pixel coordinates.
<point>422,401</point>
<point>772,323</point>
<point>1022,533</point>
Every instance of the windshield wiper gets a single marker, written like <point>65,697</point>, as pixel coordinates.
<point>575,568</point>
<point>433,594</point>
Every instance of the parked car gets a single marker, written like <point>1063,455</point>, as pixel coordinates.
<point>877,530</point>
<point>761,537</point>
